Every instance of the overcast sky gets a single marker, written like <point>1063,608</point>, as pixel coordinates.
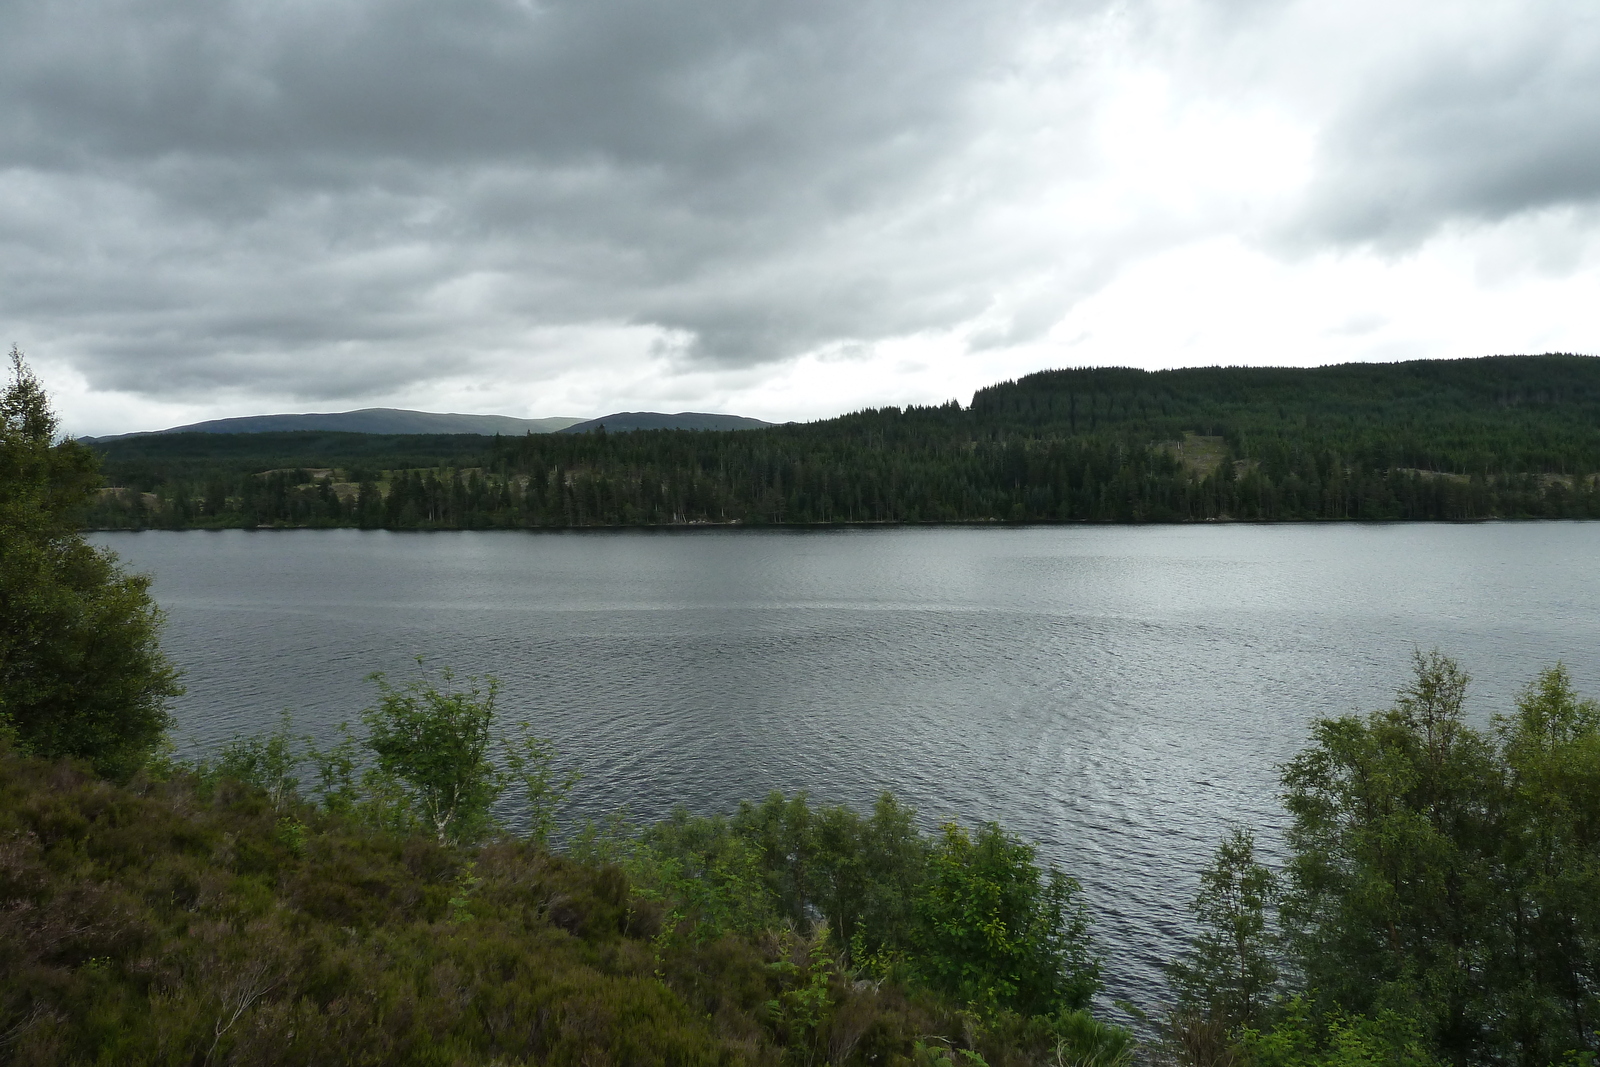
<point>779,208</point>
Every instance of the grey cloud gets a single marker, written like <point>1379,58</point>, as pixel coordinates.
<point>618,160</point>
<point>331,198</point>
<point>698,85</point>
<point>1509,125</point>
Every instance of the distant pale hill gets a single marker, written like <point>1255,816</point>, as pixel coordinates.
<point>623,421</point>
<point>374,420</point>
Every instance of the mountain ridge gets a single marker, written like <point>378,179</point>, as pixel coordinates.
<point>404,421</point>
<point>628,421</point>
<point>367,420</point>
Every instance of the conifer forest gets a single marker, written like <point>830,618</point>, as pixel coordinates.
<point>1497,437</point>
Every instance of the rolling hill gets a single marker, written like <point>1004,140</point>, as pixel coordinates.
<point>628,421</point>
<point>371,420</point>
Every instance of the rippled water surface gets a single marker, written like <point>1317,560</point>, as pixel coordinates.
<point>1119,694</point>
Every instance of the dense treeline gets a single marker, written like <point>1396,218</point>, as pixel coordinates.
<point>1508,437</point>
<point>1473,416</point>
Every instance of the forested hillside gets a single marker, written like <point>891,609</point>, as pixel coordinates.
<point>1499,437</point>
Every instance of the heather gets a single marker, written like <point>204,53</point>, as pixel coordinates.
<point>184,917</point>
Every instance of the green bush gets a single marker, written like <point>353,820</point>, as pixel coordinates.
<point>434,755</point>
<point>995,931</point>
<point>969,917</point>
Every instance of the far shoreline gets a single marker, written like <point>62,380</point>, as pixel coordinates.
<point>797,527</point>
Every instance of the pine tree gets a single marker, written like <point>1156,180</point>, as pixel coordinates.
<point>81,672</point>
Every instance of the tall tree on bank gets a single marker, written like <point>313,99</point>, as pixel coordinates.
<point>81,672</point>
<point>1230,971</point>
<point>1451,876</point>
<point>1392,902</point>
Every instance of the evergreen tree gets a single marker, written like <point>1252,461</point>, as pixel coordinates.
<point>81,672</point>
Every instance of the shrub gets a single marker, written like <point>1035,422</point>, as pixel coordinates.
<point>193,920</point>
<point>996,931</point>
<point>434,755</point>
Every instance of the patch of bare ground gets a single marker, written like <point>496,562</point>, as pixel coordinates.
<point>316,474</point>
<point>123,493</point>
<point>1200,455</point>
<point>1569,481</point>
<point>1435,476</point>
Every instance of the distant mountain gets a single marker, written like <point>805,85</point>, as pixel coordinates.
<point>373,420</point>
<point>623,421</point>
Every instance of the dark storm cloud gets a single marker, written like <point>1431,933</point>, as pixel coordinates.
<point>619,160</point>
<point>324,199</point>
<point>704,87</point>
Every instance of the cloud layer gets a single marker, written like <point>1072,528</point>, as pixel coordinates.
<point>785,208</point>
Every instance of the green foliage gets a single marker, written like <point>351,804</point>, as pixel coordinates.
<point>439,744</point>
<point>1300,1038</point>
<point>292,836</point>
<point>1229,971</point>
<point>1391,892</point>
<point>1548,860</point>
<point>997,932</point>
<point>860,873</point>
<point>970,917</point>
<point>267,761</point>
<point>802,1007</point>
<point>1441,902</point>
<point>531,762</point>
<point>433,756</point>
<point>706,877</point>
<point>1443,439</point>
<point>193,920</point>
<point>81,673</point>
<point>1081,1040</point>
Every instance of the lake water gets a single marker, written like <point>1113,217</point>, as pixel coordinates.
<point>1119,694</point>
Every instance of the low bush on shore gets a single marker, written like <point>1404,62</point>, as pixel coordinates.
<point>188,919</point>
